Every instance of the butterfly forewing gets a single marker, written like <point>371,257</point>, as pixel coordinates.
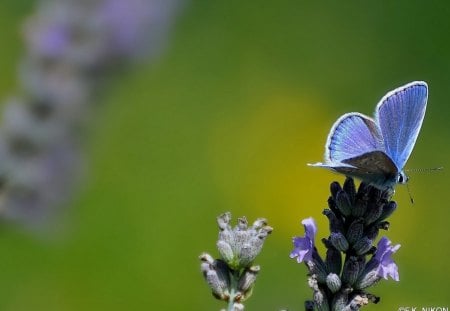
<point>399,116</point>
<point>352,135</point>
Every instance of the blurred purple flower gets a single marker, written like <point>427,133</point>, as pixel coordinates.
<point>137,27</point>
<point>386,265</point>
<point>304,246</point>
<point>91,33</point>
<point>71,46</point>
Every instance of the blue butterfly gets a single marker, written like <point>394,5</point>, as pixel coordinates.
<point>376,150</point>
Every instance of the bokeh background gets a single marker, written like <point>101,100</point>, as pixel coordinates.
<point>225,120</point>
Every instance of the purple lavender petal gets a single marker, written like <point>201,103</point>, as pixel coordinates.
<point>304,246</point>
<point>387,266</point>
<point>382,247</point>
<point>303,249</point>
<point>310,228</point>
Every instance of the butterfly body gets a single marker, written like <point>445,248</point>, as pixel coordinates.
<point>376,150</point>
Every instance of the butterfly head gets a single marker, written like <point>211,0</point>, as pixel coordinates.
<point>402,178</point>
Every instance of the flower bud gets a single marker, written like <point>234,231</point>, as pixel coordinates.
<point>225,251</point>
<point>333,282</point>
<point>317,268</point>
<point>339,241</point>
<point>321,300</point>
<point>363,246</point>
<point>336,224</point>
<point>240,245</point>
<point>372,232</point>
<point>355,231</point>
<point>242,223</point>
<point>360,206</point>
<point>224,221</point>
<point>388,209</point>
<point>343,203</point>
<point>217,275</point>
<point>340,300</point>
<point>367,279</point>
<point>335,187</point>
<point>259,223</point>
<point>352,269</point>
<point>247,280</point>
<point>373,212</point>
<point>333,260</point>
<point>349,188</point>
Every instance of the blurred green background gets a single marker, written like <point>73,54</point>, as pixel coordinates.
<point>226,120</point>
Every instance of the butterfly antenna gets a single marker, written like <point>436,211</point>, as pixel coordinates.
<point>410,196</point>
<point>425,170</point>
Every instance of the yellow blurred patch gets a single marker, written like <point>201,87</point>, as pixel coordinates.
<point>259,161</point>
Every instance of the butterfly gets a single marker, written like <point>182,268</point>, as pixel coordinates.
<point>376,150</point>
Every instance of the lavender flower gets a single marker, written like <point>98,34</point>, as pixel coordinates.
<point>71,46</point>
<point>355,219</point>
<point>387,266</point>
<point>232,277</point>
<point>304,246</point>
<point>240,245</point>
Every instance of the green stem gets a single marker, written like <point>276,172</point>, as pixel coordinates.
<point>234,278</point>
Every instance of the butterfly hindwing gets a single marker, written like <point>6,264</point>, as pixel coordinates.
<point>374,167</point>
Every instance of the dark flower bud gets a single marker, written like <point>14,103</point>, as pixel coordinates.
<point>336,224</point>
<point>375,194</point>
<point>352,269</point>
<point>359,208</point>
<point>388,209</point>
<point>309,305</point>
<point>349,188</point>
<point>340,300</point>
<point>333,260</point>
<point>355,231</point>
<point>373,212</point>
<point>361,200</point>
<point>343,203</point>
<point>371,232</point>
<point>335,187</point>
<point>333,207</point>
<point>339,241</point>
<point>363,246</point>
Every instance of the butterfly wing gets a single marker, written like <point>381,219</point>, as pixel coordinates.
<point>355,148</point>
<point>352,135</point>
<point>399,116</point>
<point>374,167</point>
